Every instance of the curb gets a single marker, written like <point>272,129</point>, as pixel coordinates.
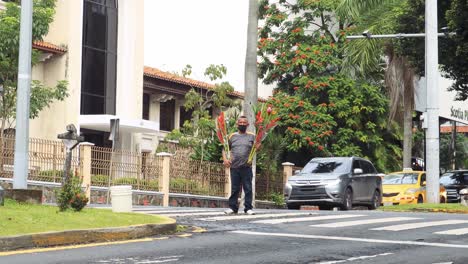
<point>84,236</point>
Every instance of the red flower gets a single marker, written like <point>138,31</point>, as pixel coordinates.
<point>320,147</point>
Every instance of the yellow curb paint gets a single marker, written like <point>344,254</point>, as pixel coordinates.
<point>184,235</point>
<point>199,230</point>
<point>39,250</point>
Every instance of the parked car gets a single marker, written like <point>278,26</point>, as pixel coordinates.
<point>335,182</point>
<point>407,187</point>
<point>453,182</point>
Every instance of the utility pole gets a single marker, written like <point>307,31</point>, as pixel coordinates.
<point>20,175</point>
<point>432,106</point>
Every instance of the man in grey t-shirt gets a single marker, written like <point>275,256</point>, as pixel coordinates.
<point>240,144</point>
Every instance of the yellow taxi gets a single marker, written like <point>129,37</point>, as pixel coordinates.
<point>407,187</point>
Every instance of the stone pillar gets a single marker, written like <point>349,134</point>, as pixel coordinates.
<point>287,171</point>
<point>164,177</point>
<point>227,183</point>
<point>85,153</point>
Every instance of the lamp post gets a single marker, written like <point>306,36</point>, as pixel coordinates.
<point>432,161</point>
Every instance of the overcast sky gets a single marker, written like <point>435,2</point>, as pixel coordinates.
<point>199,33</point>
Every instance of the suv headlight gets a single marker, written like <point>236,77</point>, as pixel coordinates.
<point>331,182</point>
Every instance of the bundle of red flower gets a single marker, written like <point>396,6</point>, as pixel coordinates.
<point>221,132</point>
<point>265,121</point>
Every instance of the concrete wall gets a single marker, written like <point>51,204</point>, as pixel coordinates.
<point>65,30</point>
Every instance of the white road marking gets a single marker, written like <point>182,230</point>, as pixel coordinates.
<point>458,232</point>
<point>420,225</point>
<point>156,261</point>
<point>365,222</point>
<point>192,214</point>
<point>382,241</point>
<point>171,211</point>
<point>303,219</point>
<point>245,216</point>
<point>355,258</point>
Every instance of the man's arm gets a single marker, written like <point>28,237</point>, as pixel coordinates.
<point>226,161</point>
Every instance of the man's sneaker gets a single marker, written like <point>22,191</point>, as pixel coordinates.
<point>250,212</point>
<point>230,211</point>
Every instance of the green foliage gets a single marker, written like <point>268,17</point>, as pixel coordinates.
<point>322,111</point>
<point>41,95</point>
<point>181,184</point>
<point>453,50</point>
<point>198,133</point>
<point>446,158</point>
<point>277,198</point>
<point>71,195</point>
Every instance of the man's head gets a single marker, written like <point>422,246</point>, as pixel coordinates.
<point>242,124</point>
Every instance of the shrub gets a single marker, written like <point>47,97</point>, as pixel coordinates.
<point>125,181</point>
<point>67,195</point>
<point>277,198</point>
<point>99,179</point>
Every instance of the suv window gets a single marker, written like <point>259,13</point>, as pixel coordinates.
<point>367,167</point>
<point>465,177</point>
<point>356,165</point>
<point>326,166</point>
<point>451,178</point>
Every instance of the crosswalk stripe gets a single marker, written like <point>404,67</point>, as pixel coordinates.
<point>365,222</point>
<point>304,219</point>
<point>420,225</point>
<point>238,217</point>
<point>196,214</point>
<point>458,232</point>
<point>170,211</point>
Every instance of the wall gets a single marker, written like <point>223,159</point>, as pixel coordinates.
<point>65,30</point>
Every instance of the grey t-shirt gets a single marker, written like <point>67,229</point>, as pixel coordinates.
<point>240,146</point>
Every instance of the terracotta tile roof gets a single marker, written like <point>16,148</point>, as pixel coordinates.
<point>48,47</point>
<point>162,75</point>
<point>448,129</point>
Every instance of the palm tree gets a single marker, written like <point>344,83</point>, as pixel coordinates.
<point>366,56</point>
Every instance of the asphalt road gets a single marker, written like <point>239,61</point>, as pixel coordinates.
<point>282,236</point>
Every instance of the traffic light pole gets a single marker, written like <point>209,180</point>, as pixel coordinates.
<point>432,105</point>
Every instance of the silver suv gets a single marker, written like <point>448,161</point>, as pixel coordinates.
<point>335,181</point>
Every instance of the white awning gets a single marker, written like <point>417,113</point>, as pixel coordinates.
<point>102,123</point>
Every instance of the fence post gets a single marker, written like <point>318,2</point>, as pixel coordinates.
<point>287,171</point>
<point>164,177</point>
<point>85,152</point>
<point>227,183</point>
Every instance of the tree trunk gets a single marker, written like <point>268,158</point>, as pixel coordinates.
<point>407,135</point>
<point>250,75</point>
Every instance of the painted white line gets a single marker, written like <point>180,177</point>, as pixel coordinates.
<point>303,219</point>
<point>355,258</point>
<point>420,225</point>
<point>192,214</point>
<point>458,232</point>
<point>365,222</point>
<point>382,241</point>
<point>244,216</point>
<point>156,261</point>
<point>171,211</point>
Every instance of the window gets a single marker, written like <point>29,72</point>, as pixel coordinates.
<point>184,116</point>
<point>367,167</point>
<point>146,106</point>
<point>99,62</point>
<point>166,115</point>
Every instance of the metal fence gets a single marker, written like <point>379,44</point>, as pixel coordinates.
<point>120,167</point>
<point>46,159</point>
<point>196,177</point>
<point>268,185</point>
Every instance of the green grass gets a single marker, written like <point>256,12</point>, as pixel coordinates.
<point>19,218</point>
<point>450,207</point>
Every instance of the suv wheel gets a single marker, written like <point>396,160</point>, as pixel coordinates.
<point>347,200</point>
<point>375,202</point>
<point>293,206</point>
